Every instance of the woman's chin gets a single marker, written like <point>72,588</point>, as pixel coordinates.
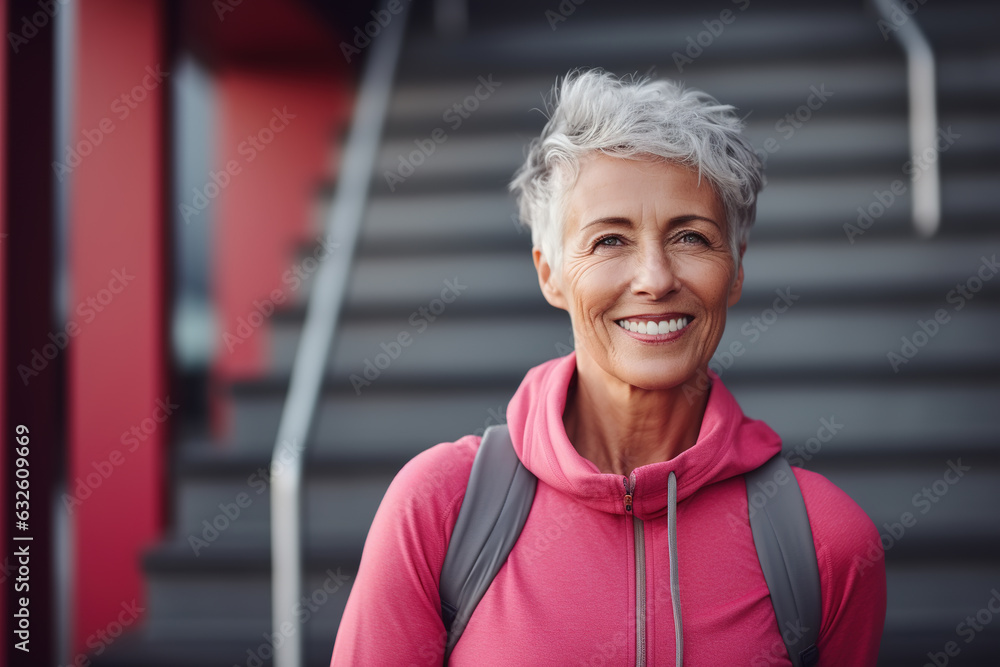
<point>656,374</point>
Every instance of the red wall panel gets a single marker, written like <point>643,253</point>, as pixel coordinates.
<point>116,369</point>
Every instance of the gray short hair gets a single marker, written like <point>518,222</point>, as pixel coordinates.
<point>594,111</point>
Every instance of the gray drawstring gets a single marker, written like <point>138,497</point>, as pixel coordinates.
<point>675,589</point>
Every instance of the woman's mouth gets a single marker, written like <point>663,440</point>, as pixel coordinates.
<point>655,327</point>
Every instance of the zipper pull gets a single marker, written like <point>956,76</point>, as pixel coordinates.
<point>628,495</point>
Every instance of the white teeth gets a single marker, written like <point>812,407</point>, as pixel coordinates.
<point>661,327</point>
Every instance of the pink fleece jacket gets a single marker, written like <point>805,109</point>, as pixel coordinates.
<point>567,593</point>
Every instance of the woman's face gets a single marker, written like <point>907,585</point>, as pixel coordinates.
<point>643,242</point>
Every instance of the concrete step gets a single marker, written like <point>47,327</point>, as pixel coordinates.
<point>227,599</point>
<point>628,43</point>
<point>768,89</point>
<point>771,89</point>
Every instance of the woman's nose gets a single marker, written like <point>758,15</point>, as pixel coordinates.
<point>655,274</point>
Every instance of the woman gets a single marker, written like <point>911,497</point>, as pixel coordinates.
<point>640,197</point>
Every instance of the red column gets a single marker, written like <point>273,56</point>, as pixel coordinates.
<point>117,389</point>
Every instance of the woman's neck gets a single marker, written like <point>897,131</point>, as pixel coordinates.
<point>620,427</point>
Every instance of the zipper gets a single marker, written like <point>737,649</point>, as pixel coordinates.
<point>640,575</point>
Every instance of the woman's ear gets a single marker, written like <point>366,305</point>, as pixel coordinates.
<point>547,280</point>
<point>736,291</point>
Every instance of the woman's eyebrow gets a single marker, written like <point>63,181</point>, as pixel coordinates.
<point>610,220</point>
<point>681,219</point>
<point>617,220</point>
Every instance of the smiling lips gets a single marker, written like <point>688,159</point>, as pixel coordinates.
<point>651,327</point>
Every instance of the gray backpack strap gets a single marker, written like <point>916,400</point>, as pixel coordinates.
<point>784,541</point>
<point>495,507</point>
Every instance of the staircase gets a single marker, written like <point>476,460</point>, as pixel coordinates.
<point>444,313</point>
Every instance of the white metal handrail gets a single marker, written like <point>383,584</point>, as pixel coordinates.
<point>322,315</point>
<point>920,71</point>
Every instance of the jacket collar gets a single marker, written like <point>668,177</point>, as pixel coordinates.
<point>728,444</point>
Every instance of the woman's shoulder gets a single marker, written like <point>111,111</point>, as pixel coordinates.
<point>851,564</point>
<point>843,532</point>
<point>827,499</point>
<point>435,479</point>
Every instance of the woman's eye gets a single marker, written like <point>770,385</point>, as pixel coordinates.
<point>608,241</point>
<point>692,237</point>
